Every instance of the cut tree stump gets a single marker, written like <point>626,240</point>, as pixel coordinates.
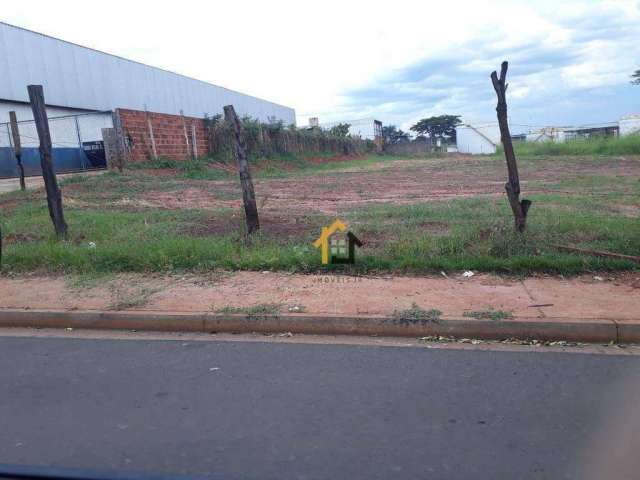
<point>519,207</point>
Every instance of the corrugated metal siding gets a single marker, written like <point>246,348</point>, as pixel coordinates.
<point>78,77</point>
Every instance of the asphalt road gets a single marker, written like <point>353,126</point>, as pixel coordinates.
<point>280,411</point>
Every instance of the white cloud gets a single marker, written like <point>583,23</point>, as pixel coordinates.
<point>311,56</point>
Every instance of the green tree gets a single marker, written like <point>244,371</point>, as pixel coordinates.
<point>441,126</point>
<point>636,78</point>
<point>392,135</point>
<point>340,130</point>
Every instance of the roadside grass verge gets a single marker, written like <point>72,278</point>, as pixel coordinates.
<point>477,234</point>
<point>468,233</point>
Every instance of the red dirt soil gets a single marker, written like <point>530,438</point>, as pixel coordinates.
<point>583,297</point>
<point>397,182</point>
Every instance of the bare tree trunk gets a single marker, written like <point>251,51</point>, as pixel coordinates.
<point>54,197</point>
<point>240,149</point>
<point>17,147</point>
<point>519,208</point>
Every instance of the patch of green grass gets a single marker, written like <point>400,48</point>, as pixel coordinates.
<point>415,315</point>
<point>609,185</point>
<point>476,234</point>
<point>285,165</point>
<point>628,145</point>
<point>494,315</point>
<point>260,309</point>
<point>201,168</point>
<point>74,179</point>
<point>480,236</point>
<point>128,297</point>
<point>112,186</point>
<point>128,242</point>
<point>300,165</point>
<point>87,281</point>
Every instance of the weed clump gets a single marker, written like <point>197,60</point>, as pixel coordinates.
<point>490,314</point>
<point>416,315</point>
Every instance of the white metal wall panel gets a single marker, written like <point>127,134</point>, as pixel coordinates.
<point>477,139</point>
<point>61,124</point>
<point>4,135</point>
<point>78,77</point>
<point>629,124</point>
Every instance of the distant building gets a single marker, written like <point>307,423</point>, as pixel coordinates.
<point>366,128</point>
<point>484,138</point>
<point>546,134</point>
<point>477,139</point>
<point>561,134</point>
<point>629,124</point>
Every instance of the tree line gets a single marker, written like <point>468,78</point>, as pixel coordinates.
<point>442,127</point>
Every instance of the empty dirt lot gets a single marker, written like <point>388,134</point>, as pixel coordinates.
<point>403,181</point>
<point>414,215</point>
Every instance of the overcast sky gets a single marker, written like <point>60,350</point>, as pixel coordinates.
<point>398,61</point>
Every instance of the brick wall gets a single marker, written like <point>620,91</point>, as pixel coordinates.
<point>168,133</point>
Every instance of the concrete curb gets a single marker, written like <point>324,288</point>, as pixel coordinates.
<point>577,330</point>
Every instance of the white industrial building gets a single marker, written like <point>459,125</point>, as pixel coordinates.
<point>83,86</point>
<point>561,134</point>
<point>80,79</point>
<point>629,124</point>
<point>484,138</point>
<point>477,139</point>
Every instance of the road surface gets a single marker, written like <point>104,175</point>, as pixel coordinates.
<point>256,410</point>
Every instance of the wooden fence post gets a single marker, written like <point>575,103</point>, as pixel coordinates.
<point>121,148</point>
<point>519,208</point>
<point>186,135</point>
<point>154,151</point>
<point>240,150</point>
<point>110,146</point>
<point>54,197</point>
<point>17,147</point>
<point>194,141</point>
